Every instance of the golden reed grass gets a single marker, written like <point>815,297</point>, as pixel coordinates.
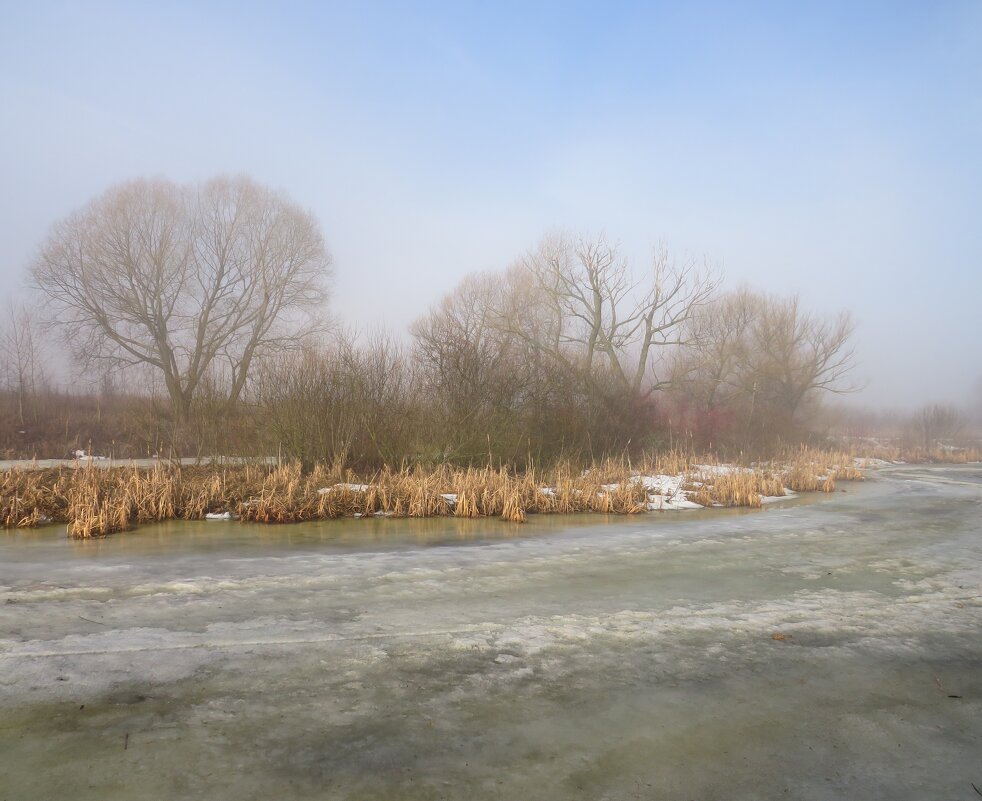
<point>97,501</point>
<point>812,470</point>
<point>916,455</point>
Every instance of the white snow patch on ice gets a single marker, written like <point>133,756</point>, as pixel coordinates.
<point>774,498</point>
<point>659,503</point>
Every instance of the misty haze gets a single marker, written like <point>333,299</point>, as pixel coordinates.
<point>531,401</point>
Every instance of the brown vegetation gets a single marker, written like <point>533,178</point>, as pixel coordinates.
<point>96,501</point>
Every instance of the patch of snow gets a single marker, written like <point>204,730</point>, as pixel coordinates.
<point>81,454</point>
<point>774,498</point>
<point>720,469</point>
<point>343,487</point>
<point>859,461</point>
<point>659,503</point>
<point>219,516</point>
<point>661,484</point>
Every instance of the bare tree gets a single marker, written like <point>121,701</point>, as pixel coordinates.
<point>188,280</point>
<point>936,424</point>
<point>792,356</point>
<point>385,382</point>
<point>589,306</point>
<point>307,402</point>
<point>708,370</point>
<point>347,401</point>
<point>22,357</point>
<point>762,360</point>
<point>472,372</point>
<point>562,345</point>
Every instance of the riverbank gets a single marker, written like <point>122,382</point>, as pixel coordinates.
<point>97,500</point>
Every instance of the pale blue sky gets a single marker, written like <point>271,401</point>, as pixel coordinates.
<point>830,149</point>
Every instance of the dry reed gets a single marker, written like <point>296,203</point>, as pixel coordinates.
<point>98,501</point>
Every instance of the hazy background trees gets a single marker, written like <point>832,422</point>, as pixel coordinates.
<point>23,357</point>
<point>192,281</point>
<point>562,353</point>
<point>935,425</point>
<point>755,366</point>
<point>196,313</point>
<point>475,375</point>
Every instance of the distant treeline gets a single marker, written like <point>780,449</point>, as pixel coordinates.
<point>566,355</point>
<point>195,314</point>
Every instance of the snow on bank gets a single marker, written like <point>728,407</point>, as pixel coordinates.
<point>671,503</point>
<point>720,469</point>
<point>862,462</point>
<point>83,456</point>
<point>344,488</point>
<point>665,493</point>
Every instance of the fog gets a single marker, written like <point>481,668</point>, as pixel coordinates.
<point>833,152</point>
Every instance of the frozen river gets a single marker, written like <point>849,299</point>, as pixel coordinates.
<point>816,651</point>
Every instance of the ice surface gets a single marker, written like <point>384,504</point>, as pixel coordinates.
<point>609,660</point>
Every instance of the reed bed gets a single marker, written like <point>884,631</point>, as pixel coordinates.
<point>915,455</point>
<point>813,470</point>
<point>747,487</point>
<point>98,501</point>
<point>32,497</point>
<point>95,502</point>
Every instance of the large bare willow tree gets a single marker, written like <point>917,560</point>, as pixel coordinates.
<point>195,282</point>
